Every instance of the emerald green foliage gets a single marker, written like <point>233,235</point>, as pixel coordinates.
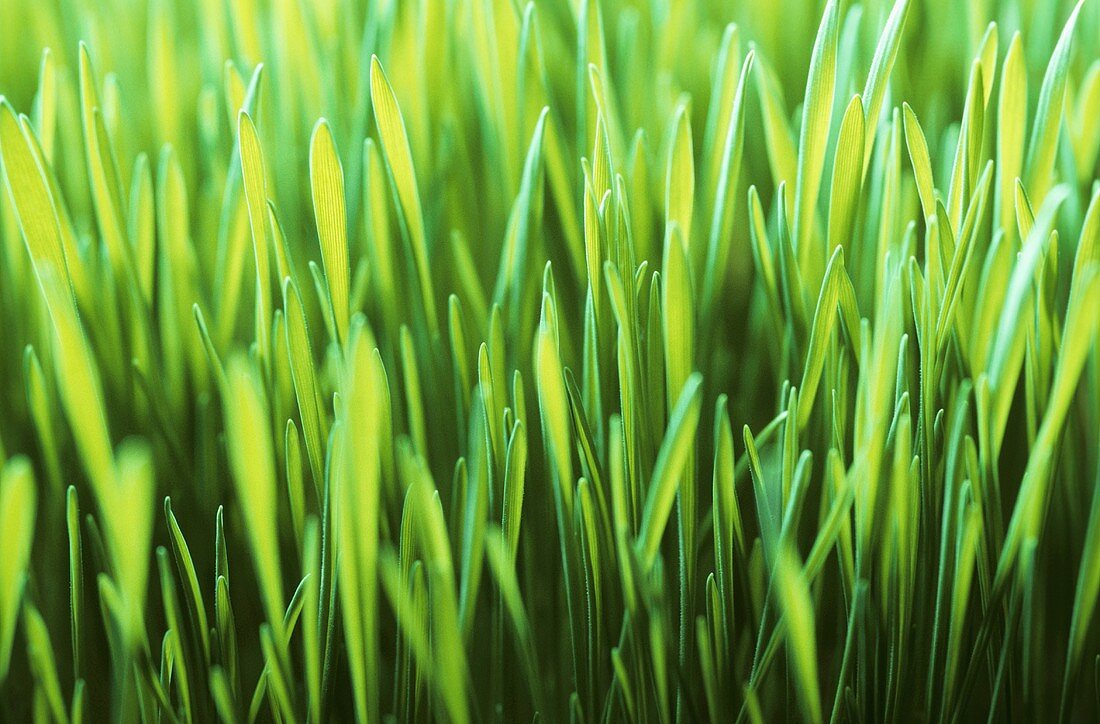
<point>557,360</point>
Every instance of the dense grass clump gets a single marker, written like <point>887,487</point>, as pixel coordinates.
<point>569,360</point>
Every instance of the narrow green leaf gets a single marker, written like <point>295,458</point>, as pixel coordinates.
<point>255,192</point>
<point>1011,127</point>
<point>304,375</point>
<point>326,177</point>
<point>847,179</point>
<point>874,91</point>
<point>252,461</point>
<point>17,514</point>
<point>30,194</point>
<point>672,460</point>
<point>680,175</point>
<point>798,613</point>
<point>816,114</point>
<point>1042,146</point>
<point>395,145</point>
<point>922,164</point>
<point>40,653</point>
<point>358,511</point>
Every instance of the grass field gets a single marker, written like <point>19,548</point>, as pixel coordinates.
<point>551,360</point>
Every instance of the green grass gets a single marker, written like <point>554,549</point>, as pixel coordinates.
<point>569,360</point>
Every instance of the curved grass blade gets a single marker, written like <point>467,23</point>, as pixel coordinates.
<point>395,146</point>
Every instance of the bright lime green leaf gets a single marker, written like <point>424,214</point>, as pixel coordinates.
<point>255,193</point>
<point>1043,141</point>
<point>252,462</point>
<point>673,459</point>
<point>17,514</point>
<point>326,177</point>
<point>395,145</point>
<point>816,114</point>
